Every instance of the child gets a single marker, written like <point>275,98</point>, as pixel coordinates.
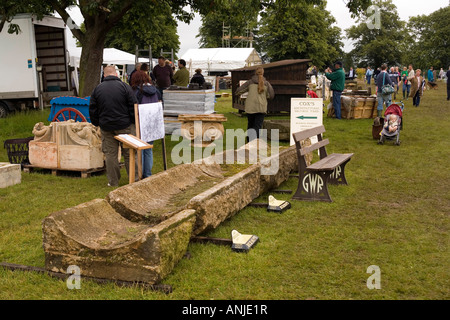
<point>392,123</point>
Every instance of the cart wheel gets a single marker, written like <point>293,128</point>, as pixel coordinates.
<point>66,114</point>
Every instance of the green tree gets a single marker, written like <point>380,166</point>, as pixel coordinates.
<point>375,46</point>
<point>138,28</point>
<point>100,17</point>
<point>241,17</point>
<point>9,8</point>
<point>429,40</point>
<point>299,29</point>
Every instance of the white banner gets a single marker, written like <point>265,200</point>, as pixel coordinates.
<point>151,121</point>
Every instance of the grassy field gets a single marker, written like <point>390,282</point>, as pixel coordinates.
<point>394,214</point>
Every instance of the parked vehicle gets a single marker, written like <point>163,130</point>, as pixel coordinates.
<point>33,63</point>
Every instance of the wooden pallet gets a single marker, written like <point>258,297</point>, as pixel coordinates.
<point>56,172</point>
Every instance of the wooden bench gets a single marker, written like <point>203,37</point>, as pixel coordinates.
<point>313,179</point>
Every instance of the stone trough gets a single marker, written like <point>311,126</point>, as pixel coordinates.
<point>103,244</point>
<point>141,231</point>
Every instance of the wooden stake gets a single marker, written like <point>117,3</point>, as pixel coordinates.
<point>138,134</point>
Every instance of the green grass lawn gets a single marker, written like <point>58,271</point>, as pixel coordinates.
<point>394,214</point>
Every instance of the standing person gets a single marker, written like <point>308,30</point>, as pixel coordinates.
<point>417,84</point>
<point>145,67</point>
<point>198,77</point>
<point>369,74</point>
<point>137,67</point>
<point>376,73</point>
<point>112,108</point>
<point>383,79</point>
<point>394,79</point>
<point>145,93</point>
<point>448,84</point>
<point>337,86</point>
<point>411,74</point>
<point>351,74</point>
<point>163,74</point>
<point>405,86</point>
<point>430,75</point>
<point>259,90</point>
<point>441,74</point>
<point>181,77</point>
<point>399,79</point>
<point>314,71</point>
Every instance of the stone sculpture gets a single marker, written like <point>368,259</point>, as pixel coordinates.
<point>67,145</point>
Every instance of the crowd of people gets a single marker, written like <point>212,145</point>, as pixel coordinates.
<point>112,107</point>
<point>388,82</point>
<point>112,102</point>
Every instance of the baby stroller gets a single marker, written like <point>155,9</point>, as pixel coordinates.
<point>393,123</point>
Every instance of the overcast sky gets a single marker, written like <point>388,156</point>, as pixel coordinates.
<point>405,8</point>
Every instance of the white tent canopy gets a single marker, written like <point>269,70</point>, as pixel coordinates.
<point>110,56</point>
<point>221,59</point>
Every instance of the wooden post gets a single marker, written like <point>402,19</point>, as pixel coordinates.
<point>138,135</point>
<point>134,144</point>
<point>131,179</point>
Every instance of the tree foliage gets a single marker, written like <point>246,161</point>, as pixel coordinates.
<point>430,40</point>
<point>241,17</point>
<point>101,16</point>
<point>138,27</point>
<point>375,46</point>
<point>9,8</point>
<point>299,30</point>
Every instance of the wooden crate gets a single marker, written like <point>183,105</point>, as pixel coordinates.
<point>365,108</point>
<point>360,108</point>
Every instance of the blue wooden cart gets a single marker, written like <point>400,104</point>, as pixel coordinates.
<point>66,108</point>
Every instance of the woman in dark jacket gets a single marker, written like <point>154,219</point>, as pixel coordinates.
<point>198,77</point>
<point>145,93</point>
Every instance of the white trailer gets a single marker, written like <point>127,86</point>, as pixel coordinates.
<point>33,64</point>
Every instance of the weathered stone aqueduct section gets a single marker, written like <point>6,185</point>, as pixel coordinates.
<point>141,231</point>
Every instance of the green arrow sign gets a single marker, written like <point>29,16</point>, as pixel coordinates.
<point>305,118</point>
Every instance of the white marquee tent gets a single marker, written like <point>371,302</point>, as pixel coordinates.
<point>220,59</point>
<point>110,56</point>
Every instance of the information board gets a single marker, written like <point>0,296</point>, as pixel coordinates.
<point>306,113</point>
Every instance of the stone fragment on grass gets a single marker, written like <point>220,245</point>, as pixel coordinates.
<point>10,174</point>
<point>103,244</point>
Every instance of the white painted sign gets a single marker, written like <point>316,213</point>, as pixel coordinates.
<point>151,121</point>
<point>306,113</point>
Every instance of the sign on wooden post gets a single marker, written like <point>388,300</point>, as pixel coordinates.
<point>306,113</point>
<point>150,126</point>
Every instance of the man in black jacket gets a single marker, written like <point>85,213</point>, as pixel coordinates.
<point>112,108</point>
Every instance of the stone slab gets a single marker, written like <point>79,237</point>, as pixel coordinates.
<point>10,174</point>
